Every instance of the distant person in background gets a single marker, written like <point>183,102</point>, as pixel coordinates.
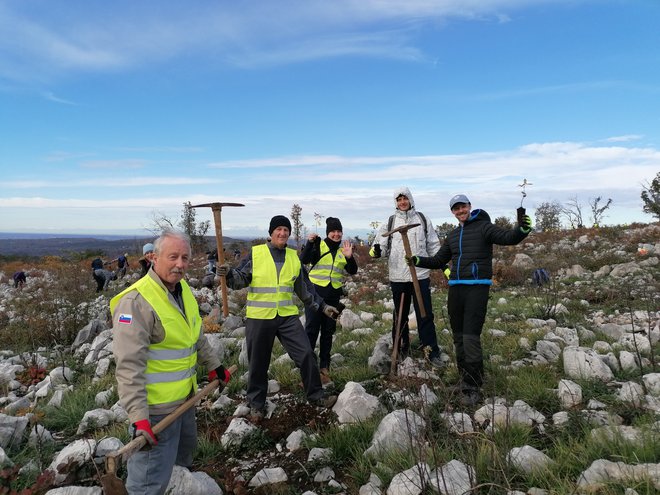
<point>122,265</point>
<point>19,279</point>
<point>147,257</point>
<point>97,264</point>
<point>103,278</point>
<point>208,280</point>
<point>212,260</point>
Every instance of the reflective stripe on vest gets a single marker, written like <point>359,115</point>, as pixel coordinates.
<point>322,273</point>
<point>171,371</point>
<point>268,296</point>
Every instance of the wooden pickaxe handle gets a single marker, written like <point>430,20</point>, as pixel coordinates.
<point>138,442</point>
<point>413,274</point>
<point>217,221</point>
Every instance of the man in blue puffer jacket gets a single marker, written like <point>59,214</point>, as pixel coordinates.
<point>470,249</point>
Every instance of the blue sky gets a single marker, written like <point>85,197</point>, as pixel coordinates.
<point>111,112</point>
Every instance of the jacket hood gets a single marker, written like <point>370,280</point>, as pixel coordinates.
<point>479,215</point>
<point>406,192</point>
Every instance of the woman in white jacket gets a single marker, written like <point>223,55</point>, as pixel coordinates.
<point>423,242</point>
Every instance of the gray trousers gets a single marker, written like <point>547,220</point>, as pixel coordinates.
<point>149,470</point>
<point>259,338</point>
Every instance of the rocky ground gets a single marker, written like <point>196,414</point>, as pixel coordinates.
<point>571,403</point>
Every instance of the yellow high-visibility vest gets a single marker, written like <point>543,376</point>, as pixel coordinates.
<point>326,270</point>
<point>171,372</point>
<point>269,296</point>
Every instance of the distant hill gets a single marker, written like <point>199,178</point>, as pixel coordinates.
<point>65,246</point>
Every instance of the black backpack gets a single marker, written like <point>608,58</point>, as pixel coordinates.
<point>390,222</point>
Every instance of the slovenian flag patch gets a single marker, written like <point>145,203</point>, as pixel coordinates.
<point>125,319</point>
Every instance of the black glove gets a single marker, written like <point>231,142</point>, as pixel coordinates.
<point>221,373</point>
<point>223,270</point>
<point>330,311</point>
<point>374,252</point>
<point>412,260</point>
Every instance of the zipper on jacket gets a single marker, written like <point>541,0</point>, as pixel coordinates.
<point>460,254</point>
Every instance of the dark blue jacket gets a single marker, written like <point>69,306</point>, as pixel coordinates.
<point>470,248</point>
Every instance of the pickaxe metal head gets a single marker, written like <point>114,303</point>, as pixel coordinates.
<point>216,205</point>
<point>403,229</point>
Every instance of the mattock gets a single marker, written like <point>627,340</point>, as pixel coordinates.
<point>403,230</point>
<point>217,220</point>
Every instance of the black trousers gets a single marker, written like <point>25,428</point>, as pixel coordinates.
<point>426,326</point>
<point>467,305</point>
<point>259,338</point>
<point>317,323</point>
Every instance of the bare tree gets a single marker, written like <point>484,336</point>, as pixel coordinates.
<point>296,219</point>
<point>573,213</point>
<point>597,211</point>
<point>159,223</point>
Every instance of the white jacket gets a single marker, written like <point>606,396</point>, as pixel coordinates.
<point>420,244</point>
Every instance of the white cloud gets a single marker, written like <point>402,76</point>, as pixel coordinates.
<point>140,182</point>
<point>358,189</point>
<point>46,42</point>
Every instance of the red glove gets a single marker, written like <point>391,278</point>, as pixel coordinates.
<point>143,428</point>
<point>221,372</point>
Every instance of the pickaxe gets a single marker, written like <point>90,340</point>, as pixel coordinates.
<point>217,208</point>
<point>112,485</point>
<point>403,230</point>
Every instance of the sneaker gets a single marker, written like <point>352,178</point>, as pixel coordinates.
<point>325,377</point>
<point>436,362</point>
<point>326,401</point>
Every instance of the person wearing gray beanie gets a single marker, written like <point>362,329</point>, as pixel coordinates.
<point>147,256</point>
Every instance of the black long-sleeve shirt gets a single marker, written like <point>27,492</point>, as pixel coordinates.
<point>311,254</point>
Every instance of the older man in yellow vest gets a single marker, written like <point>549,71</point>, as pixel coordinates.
<point>158,342</point>
<point>273,272</point>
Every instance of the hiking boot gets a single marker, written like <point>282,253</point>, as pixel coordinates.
<point>256,414</point>
<point>471,397</point>
<point>325,377</point>
<point>325,400</point>
<point>457,388</point>
<point>436,362</point>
